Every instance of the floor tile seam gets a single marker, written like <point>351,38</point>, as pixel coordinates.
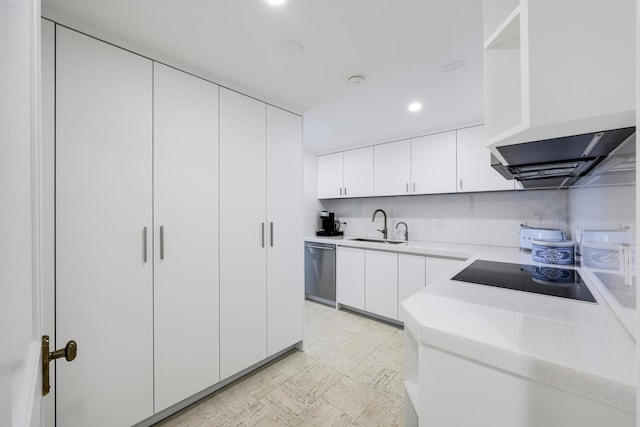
<point>296,415</point>
<point>365,388</point>
<point>302,415</point>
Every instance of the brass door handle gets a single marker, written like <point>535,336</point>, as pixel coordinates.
<point>69,352</point>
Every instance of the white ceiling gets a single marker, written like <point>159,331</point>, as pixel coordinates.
<point>401,46</point>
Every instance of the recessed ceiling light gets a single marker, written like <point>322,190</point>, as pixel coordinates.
<point>415,107</point>
<point>276,2</point>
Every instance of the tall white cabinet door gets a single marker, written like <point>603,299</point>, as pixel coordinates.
<point>433,163</point>
<point>186,253</point>
<point>358,172</point>
<point>285,290</point>
<point>330,169</point>
<point>381,279</point>
<point>103,205</point>
<point>474,164</point>
<point>243,228</point>
<point>392,168</point>
<point>411,275</point>
<point>350,277</point>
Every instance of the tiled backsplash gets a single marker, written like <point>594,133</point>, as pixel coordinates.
<point>480,218</point>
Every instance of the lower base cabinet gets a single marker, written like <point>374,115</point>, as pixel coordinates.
<point>350,277</point>
<point>378,281</point>
<point>381,283</point>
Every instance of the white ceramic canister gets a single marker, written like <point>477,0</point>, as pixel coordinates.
<point>553,251</point>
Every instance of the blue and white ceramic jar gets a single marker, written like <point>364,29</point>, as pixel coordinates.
<point>553,251</point>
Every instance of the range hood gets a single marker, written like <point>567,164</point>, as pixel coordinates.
<point>558,162</point>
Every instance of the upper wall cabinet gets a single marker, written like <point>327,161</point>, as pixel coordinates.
<point>433,163</point>
<point>555,69</point>
<point>423,165</point>
<point>391,163</point>
<point>474,163</point>
<point>346,174</point>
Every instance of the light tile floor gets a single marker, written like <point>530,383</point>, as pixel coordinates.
<point>350,374</point>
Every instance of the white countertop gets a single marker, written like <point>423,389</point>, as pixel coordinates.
<point>576,346</point>
<point>436,249</point>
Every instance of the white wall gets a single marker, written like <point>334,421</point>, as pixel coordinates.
<point>312,207</point>
<point>602,208</point>
<point>480,218</point>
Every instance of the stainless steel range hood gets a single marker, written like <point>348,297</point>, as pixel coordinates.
<point>557,162</point>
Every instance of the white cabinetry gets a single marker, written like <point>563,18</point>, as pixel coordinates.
<point>346,174</point>
<point>433,163</point>
<point>285,291</point>
<point>358,172</point>
<point>243,240</point>
<point>474,163</point>
<point>392,168</point>
<point>350,277</point>
<point>260,231</point>
<point>381,283</point>
<point>378,281</point>
<point>548,68</point>
<point>330,176</point>
<point>104,205</point>
<point>186,235</point>
<point>411,275</point>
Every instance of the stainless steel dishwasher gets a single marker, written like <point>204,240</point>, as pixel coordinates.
<point>320,272</point>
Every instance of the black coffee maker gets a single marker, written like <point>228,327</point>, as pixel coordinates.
<point>329,227</point>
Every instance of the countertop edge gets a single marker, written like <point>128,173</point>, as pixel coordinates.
<point>459,251</point>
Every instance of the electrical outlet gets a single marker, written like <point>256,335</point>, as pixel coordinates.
<point>427,224</point>
<point>438,223</point>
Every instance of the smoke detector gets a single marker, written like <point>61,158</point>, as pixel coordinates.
<point>356,79</point>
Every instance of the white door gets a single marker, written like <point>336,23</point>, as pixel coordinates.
<point>433,163</point>
<point>330,175</point>
<point>243,229</point>
<point>411,276</point>
<point>474,163</point>
<point>285,290</point>
<point>103,207</point>
<point>185,142</point>
<point>20,392</point>
<point>350,277</point>
<point>392,168</point>
<point>381,283</point>
<point>358,172</point>
<point>47,204</point>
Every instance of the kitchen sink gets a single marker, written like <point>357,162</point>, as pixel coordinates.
<point>386,242</point>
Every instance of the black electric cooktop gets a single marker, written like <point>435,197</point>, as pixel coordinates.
<point>539,279</point>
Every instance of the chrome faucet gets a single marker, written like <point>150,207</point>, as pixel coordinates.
<point>384,230</point>
<point>406,230</point>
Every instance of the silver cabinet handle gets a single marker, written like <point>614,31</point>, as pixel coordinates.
<point>414,187</point>
<point>341,191</point>
<point>144,244</point>
<point>271,233</point>
<point>345,191</point>
<point>262,233</point>
<point>406,187</point>
<point>162,242</point>
<point>461,183</point>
